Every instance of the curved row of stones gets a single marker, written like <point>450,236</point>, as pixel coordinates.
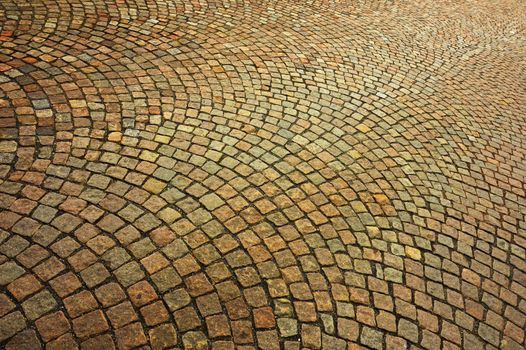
<point>319,175</point>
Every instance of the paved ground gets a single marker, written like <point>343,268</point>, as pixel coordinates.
<point>262,175</point>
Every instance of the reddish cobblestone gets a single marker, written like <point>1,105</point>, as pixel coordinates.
<point>262,175</point>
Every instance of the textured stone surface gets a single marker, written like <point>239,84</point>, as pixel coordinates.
<point>262,174</point>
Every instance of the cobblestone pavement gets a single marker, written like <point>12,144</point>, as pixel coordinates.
<point>213,174</point>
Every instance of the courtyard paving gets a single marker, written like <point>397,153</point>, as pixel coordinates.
<point>210,174</point>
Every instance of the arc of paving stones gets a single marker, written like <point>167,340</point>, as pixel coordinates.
<point>360,322</point>
<point>31,130</point>
<point>99,243</point>
<point>90,313</point>
<point>62,247</point>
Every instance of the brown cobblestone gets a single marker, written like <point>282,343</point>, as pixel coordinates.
<point>262,175</point>
<point>90,324</point>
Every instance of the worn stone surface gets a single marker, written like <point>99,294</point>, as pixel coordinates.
<point>262,175</point>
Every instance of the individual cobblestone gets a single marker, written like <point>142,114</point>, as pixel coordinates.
<point>262,175</point>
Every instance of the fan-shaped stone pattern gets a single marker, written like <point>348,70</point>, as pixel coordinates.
<point>262,174</point>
